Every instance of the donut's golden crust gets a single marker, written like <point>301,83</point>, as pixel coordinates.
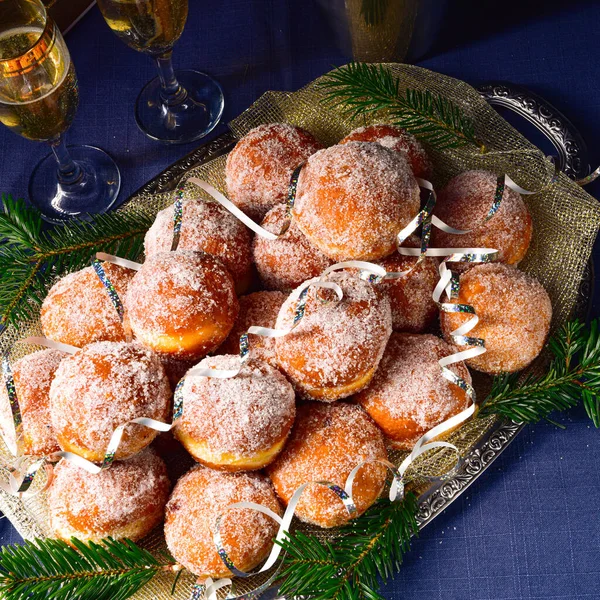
<point>210,228</point>
<point>413,308</point>
<point>99,388</point>
<point>396,139</point>
<point>198,499</point>
<point>328,441</point>
<point>182,304</point>
<point>408,395</point>
<point>464,204</point>
<point>32,375</point>
<point>514,313</point>
<point>354,199</point>
<point>334,350</point>
<point>259,168</point>
<point>240,423</point>
<point>259,309</point>
<point>126,501</point>
<point>288,261</point>
<point>78,309</point>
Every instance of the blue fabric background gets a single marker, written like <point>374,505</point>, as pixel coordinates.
<point>530,527</point>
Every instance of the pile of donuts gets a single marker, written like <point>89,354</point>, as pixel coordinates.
<point>352,379</point>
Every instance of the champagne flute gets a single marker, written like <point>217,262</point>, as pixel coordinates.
<point>38,101</point>
<point>175,107</point>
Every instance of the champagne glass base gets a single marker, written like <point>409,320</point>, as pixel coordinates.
<point>189,120</point>
<point>94,193</point>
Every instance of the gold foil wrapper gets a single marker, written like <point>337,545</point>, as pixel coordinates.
<point>566,220</point>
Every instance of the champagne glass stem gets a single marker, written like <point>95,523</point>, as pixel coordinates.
<point>69,172</point>
<point>172,93</point>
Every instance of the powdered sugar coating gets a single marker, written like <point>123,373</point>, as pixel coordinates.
<point>259,168</point>
<point>464,204</point>
<point>79,311</point>
<point>336,347</point>
<point>328,441</point>
<point>240,416</point>
<point>514,316</point>
<point>102,386</point>
<point>201,496</point>
<point>126,500</point>
<point>32,375</point>
<point>260,309</point>
<point>288,261</point>
<point>411,301</point>
<point>353,199</point>
<point>408,395</point>
<point>398,140</point>
<point>208,227</point>
<point>182,303</point>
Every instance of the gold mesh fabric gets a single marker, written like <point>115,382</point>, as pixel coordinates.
<point>566,220</point>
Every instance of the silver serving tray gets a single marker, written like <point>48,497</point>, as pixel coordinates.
<point>571,158</point>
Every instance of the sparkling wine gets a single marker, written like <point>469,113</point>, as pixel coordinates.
<point>150,26</point>
<point>38,85</point>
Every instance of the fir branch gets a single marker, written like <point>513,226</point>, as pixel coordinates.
<point>32,255</point>
<point>368,548</point>
<point>360,88</point>
<point>573,377</point>
<point>110,570</point>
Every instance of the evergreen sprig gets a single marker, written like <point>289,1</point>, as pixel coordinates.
<point>573,377</point>
<point>360,88</point>
<point>53,569</point>
<point>31,255</point>
<point>369,547</point>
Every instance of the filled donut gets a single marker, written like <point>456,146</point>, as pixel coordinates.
<point>79,311</point>
<point>514,313</point>
<point>396,139</point>
<point>353,199</point>
<point>126,500</point>
<point>259,168</point>
<point>328,441</point>
<point>239,423</point>
<point>32,376</point>
<point>102,386</point>
<point>208,227</point>
<point>199,498</point>
<point>334,350</point>
<point>408,395</point>
<point>182,304</point>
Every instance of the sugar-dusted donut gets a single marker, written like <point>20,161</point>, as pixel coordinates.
<point>353,199</point>
<point>413,308</point>
<point>408,395</point>
<point>102,386</point>
<point>397,139</point>
<point>328,441</point>
<point>32,375</point>
<point>260,309</point>
<point>208,227</point>
<point>127,500</point>
<point>288,261</point>
<point>464,204</point>
<point>259,168</point>
<point>199,498</point>
<point>514,313</point>
<point>79,311</point>
<point>334,350</point>
<point>182,304</point>
<point>240,423</point>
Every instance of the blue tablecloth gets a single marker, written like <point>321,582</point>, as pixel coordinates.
<point>530,527</point>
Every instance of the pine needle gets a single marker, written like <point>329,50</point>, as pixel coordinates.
<point>31,254</point>
<point>361,88</point>
<point>53,569</point>
<point>573,377</point>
